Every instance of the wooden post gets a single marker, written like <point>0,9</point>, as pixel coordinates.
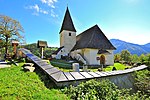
<point>15,43</point>
<point>42,45</point>
<point>42,52</point>
<point>15,49</point>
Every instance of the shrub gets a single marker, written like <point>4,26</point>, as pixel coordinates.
<point>143,81</point>
<point>93,90</point>
<point>101,90</point>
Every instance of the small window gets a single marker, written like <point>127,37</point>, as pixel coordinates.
<point>69,34</point>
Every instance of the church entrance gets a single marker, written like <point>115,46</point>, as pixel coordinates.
<point>102,60</point>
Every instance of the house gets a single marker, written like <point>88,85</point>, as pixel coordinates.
<point>90,47</point>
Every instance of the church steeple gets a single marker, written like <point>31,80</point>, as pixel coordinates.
<point>67,23</point>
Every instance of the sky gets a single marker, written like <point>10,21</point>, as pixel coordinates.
<point>127,20</point>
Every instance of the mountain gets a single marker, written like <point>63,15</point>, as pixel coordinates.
<point>131,47</point>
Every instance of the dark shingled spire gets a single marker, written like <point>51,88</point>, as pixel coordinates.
<point>93,38</point>
<point>67,23</point>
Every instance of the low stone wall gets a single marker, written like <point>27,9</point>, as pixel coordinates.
<point>124,81</point>
<point>122,78</point>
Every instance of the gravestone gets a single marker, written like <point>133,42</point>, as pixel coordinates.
<point>75,67</point>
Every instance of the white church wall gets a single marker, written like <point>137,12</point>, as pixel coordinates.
<point>61,53</point>
<point>93,56</point>
<point>110,58</point>
<point>68,40</point>
<point>86,55</point>
<point>90,55</point>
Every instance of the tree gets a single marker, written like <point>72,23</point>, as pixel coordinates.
<point>9,29</point>
<point>117,58</point>
<point>134,58</point>
<point>142,58</point>
<point>125,55</point>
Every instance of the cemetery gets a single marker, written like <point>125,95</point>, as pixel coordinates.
<point>80,59</point>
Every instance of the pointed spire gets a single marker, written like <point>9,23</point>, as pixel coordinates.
<point>67,22</point>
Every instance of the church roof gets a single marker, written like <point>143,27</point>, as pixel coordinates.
<point>101,51</point>
<point>55,52</point>
<point>67,23</point>
<point>93,38</point>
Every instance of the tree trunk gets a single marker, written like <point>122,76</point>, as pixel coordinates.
<point>6,46</point>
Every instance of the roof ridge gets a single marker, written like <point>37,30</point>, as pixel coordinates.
<point>93,38</point>
<point>87,29</point>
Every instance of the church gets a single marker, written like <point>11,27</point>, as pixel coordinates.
<point>91,47</point>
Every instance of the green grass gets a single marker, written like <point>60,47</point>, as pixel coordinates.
<point>16,84</point>
<point>118,66</point>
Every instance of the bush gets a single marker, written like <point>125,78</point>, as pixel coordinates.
<point>143,81</point>
<point>93,90</point>
<point>101,90</point>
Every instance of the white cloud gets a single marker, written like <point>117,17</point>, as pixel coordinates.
<point>39,9</point>
<point>43,11</point>
<point>35,7</point>
<point>53,13</point>
<point>36,10</point>
<point>49,2</point>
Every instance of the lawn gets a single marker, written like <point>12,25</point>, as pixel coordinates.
<point>15,84</point>
<point>118,66</point>
<point>67,67</point>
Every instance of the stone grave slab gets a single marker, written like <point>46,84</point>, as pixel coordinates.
<point>77,75</point>
<point>101,74</point>
<point>40,63</point>
<point>69,76</point>
<point>52,70</point>
<point>29,55</point>
<point>59,77</point>
<point>86,75</point>
<point>45,67</point>
<point>113,72</point>
<point>94,74</point>
<point>106,73</point>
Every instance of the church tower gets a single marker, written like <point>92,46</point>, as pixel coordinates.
<point>67,33</point>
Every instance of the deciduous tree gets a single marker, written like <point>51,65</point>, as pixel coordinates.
<point>9,29</point>
<point>117,58</point>
<point>135,58</point>
<point>125,55</point>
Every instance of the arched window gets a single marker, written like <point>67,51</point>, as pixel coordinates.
<point>69,34</point>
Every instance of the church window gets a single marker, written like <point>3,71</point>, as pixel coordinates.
<point>69,34</point>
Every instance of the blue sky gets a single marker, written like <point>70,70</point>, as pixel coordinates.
<point>127,20</point>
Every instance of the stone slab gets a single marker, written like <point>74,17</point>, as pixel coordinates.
<point>35,58</point>
<point>46,67</point>
<point>44,64</point>
<point>77,75</point>
<point>29,55</point>
<point>101,74</point>
<point>59,77</point>
<point>69,76</point>
<point>52,70</point>
<point>113,72</point>
<point>86,75</point>
<point>40,63</point>
<point>94,74</point>
<point>106,73</point>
